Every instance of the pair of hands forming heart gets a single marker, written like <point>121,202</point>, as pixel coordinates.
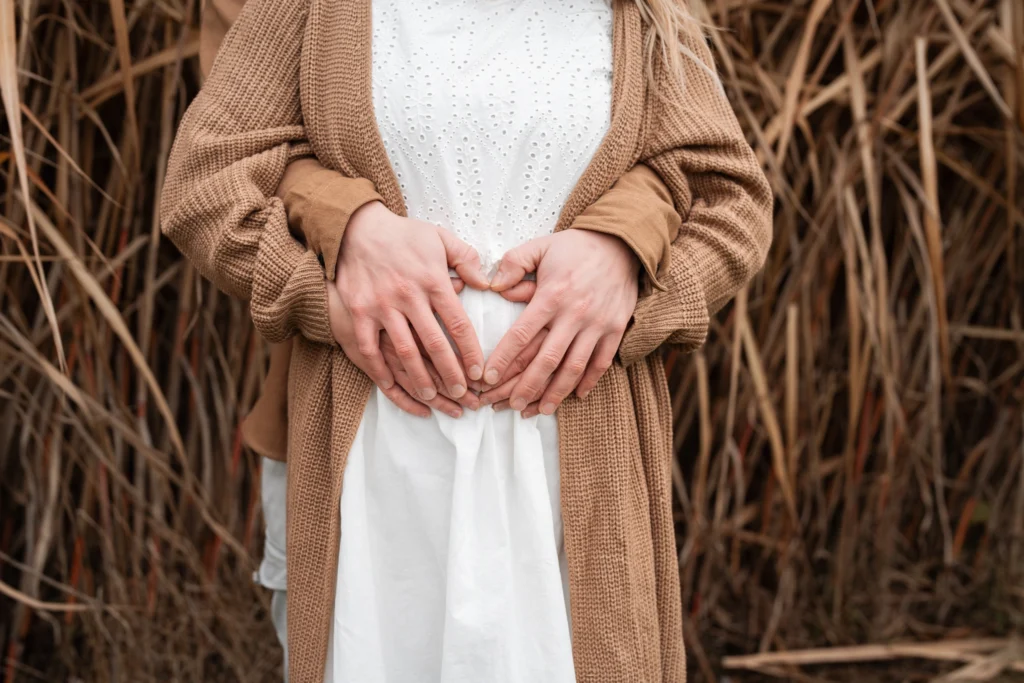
<point>392,277</point>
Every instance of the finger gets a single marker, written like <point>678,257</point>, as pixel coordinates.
<point>569,372</point>
<point>503,391</point>
<point>536,377</point>
<point>499,394</point>
<point>600,361</point>
<point>438,348</point>
<point>464,259</point>
<point>467,400</point>
<point>371,361</point>
<point>443,403</point>
<point>522,292</point>
<point>532,410</point>
<point>526,356</point>
<point>458,284</point>
<point>409,354</point>
<point>359,341</point>
<point>403,391</point>
<point>401,398</point>
<point>516,263</point>
<point>530,323</point>
<point>439,402</point>
<point>501,405</point>
<point>461,330</point>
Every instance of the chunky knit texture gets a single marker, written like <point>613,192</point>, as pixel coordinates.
<point>293,78</point>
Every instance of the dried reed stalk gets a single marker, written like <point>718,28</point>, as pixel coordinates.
<point>850,467</point>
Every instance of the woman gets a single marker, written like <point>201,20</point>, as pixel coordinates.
<point>506,122</point>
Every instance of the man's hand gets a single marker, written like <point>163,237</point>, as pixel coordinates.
<point>402,392</point>
<point>392,276</point>
<point>580,305</point>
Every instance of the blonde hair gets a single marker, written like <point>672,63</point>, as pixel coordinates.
<point>674,25</point>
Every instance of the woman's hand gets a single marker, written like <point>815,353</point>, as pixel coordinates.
<point>392,276</point>
<point>402,391</point>
<point>584,296</point>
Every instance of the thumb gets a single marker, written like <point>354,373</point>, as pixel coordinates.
<point>516,263</point>
<point>521,292</point>
<point>464,259</point>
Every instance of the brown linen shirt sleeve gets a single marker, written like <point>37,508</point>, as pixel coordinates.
<point>228,159</point>
<point>217,17</point>
<point>318,201</point>
<point>638,209</point>
<point>697,148</point>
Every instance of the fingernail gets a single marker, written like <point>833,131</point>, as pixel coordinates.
<point>455,413</point>
<point>518,403</point>
<point>584,394</point>
<point>428,393</point>
<point>457,390</point>
<point>387,384</point>
<point>499,278</point>
<point>548,409</point>
<point>484,401</point>
<point>492,376</point>
<point>475,372</point>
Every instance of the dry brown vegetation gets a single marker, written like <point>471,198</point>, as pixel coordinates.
<point>850,443</point>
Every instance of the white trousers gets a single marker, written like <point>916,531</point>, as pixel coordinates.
<point>273,571</point>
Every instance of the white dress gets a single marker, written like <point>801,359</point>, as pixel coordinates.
<point>451,567</point>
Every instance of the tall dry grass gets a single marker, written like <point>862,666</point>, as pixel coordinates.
<point>850,443</point>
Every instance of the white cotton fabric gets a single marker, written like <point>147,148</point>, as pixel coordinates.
<point>451,566</point>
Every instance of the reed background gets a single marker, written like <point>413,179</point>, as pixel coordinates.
<point>850,443</point>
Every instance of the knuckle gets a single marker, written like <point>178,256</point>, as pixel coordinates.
<point>406,350</point>
<point>520,335</point>
<point>549,360</point>
<point>449,376</point>
<point>404,290</point>
<point>437,288</point>
<point>581,308</point>
<point>366,348</point>
<point>459,327</point>
<point>527,389</point>
<point>435,343</point>
<point>360,309</point>
<point>576,367</point>
<point>519,364</point>
<point>559,291</point>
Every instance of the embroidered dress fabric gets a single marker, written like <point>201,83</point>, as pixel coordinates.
<point>451,565</point>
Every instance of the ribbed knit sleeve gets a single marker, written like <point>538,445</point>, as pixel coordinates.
<point>695,144</point>
<point>230,153</point>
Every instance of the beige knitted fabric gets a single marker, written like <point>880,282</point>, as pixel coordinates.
<point>293,77</point>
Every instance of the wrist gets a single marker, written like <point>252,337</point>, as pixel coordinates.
<point>365,219</point>
<point>368,213</point>
<point>621,248</point>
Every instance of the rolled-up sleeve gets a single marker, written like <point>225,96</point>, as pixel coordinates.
<point>218,203</point>
<point>697,148</point>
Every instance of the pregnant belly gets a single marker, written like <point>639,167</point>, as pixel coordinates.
<point>491,316</point>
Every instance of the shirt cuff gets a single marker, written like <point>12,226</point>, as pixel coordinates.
<point>319,208</point>
<point>646,245</point>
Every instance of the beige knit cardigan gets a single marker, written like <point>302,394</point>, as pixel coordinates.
<point>293,79</point>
